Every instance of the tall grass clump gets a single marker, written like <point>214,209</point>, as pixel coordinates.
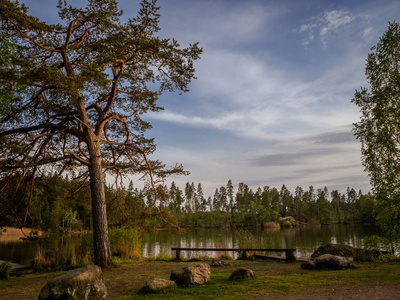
<point>49,262</point>
<point>126,242</point>
<point>246,239</point>
<point>164,254</point>
<point>39,263</point>
<point>83,255</point>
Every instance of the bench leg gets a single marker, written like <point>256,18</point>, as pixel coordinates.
<point>178,255</point>
<point>290,256</point>
<point>245,255</point>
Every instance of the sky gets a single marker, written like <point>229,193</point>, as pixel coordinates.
<point>271,104</point>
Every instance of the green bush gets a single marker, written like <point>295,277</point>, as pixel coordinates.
<point>5,270</point>
<point>375,242</point>
<point>381,243</point>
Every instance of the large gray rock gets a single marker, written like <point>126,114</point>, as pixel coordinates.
<point>83,283</point>
<point>329,261</point>
<point>242,274</point>
<point>158,285</point>
<point>192,275</point>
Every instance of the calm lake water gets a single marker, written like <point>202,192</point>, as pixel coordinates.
<point>305,240</point>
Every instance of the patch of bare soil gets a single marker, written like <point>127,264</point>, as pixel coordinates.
<point>364,292</point>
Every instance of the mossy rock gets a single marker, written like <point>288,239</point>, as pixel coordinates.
<point>288,222</point>
<point>55,258</point>
<point>346,251</point>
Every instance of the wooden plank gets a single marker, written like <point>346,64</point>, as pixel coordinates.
<point>274,257</point>
<point>15,266</point>
<point>231,249</point>
<point>289,253</point>
<point>17,269</point>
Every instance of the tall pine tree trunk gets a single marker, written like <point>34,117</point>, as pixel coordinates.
<point>101,244</point>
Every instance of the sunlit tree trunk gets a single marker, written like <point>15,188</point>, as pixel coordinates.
<point>101,242</point>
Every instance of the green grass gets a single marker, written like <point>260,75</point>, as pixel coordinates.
<point>278,281</point>
<point>273,280</point>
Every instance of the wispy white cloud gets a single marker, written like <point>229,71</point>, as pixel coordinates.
<point>219,23</point>
<point>250,98</point>
<point>369,34</point>
<point>325,24</point>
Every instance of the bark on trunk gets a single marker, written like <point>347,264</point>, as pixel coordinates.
<point>101,244</point>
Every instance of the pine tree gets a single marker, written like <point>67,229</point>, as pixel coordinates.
<point>85,87</point>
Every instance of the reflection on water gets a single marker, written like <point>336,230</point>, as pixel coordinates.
<point>305,240</point>
<point>23,252</point>
<point>9,234</point>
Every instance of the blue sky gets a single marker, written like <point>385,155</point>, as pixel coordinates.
<point>271,102</point>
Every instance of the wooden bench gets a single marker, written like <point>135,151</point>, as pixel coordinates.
<point>289,253</point>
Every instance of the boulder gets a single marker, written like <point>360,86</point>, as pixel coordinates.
<point>242,274</point>
<point>55,258</point>
<point>158,285</point>
<point>329,261</point>
<point>346,251</point>
<point>192,275</point>
<point>83,283</point>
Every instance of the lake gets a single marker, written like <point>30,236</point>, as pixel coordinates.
<point>304,239</point>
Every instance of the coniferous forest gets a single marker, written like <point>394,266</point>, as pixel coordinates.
<point>60,204</point>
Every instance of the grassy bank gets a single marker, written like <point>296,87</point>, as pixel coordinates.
<point>274,280</point>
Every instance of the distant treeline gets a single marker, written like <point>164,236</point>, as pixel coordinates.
<point>62,204</point>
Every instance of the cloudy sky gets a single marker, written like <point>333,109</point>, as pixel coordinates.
<point>271,103</point>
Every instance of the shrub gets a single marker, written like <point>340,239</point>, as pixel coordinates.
<point>5,270</point>
<point>380,243</point>
<point>383,244</point>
